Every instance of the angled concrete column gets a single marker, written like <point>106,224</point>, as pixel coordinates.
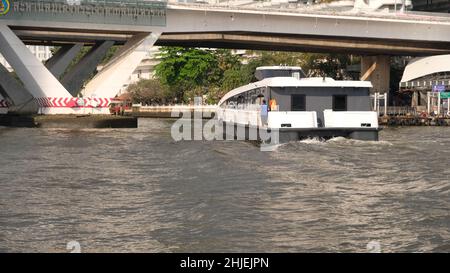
<point>50,95</point>
<point>20,100</point>
<point>376,69</point>
<point>75,78</point>
<point>38,80</point>
<point>59,62</point>
<point>108,82</point>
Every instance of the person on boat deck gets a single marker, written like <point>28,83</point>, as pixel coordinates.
<point>264,112</point>
<point>273,105</point>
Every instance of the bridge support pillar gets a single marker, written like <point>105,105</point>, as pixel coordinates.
<point>108,82</point>
<point>48,93</point>
<point>62,59</point>
<point>77,76</point>
<point>20,99</point>
<point>376,69</point>
<point>15,96</point>
<point>37,79</point>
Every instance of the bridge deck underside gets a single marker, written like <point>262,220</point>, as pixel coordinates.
<point>305,43</point>
<point>245,40</point>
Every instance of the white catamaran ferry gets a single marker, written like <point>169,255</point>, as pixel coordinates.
<point>300,107</point>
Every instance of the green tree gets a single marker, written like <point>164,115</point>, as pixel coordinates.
<point>314,64</point>
<point>150,92</point>
<point>235,77</point>
<point>327,65</point>
<point>226,60</point>
<point>245,73</point>
<point>183,69</point>
<point>215,94</point>
<point>190,72</point>
<point>109,54</point>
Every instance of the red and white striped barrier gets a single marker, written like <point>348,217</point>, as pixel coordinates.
<point>73,105</point>
<point>74,102</point>
<point>3,106</point>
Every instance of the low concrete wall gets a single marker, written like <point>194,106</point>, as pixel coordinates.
<point>166,111</point>
<point>414,121</point>
<point>69,121</point>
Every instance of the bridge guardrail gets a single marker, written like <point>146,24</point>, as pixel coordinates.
<point>318,9</point>
<point>137,12</point>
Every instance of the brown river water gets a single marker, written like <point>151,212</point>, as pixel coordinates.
<point>137,190</point>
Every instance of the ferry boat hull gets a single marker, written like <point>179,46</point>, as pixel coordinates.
<point>285,135</point>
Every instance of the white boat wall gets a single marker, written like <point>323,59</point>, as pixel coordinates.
<point>351,119</point>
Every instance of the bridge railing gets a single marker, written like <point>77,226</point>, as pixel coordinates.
<point>135,12</point>
<point>115,3</point>
<point>315,7</point>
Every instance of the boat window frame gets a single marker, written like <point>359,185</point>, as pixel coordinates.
<point>304,102</point>
<point>345,101</point>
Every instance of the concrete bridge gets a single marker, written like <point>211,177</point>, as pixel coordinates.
<point>138,25</point>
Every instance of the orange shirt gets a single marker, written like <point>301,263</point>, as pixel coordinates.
<point>272,104</point>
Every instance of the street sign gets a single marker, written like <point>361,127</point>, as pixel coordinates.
<point>438,88</point>
<point>445,95</point>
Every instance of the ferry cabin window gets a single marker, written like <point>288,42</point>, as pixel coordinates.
<point>240,100</point>
<point>339,103</point>
<point>298,103</point>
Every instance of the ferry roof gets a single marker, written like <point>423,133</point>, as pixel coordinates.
<point>279,68</point>
<point>293,82</point>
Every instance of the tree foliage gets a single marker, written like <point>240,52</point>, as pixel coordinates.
<point>190,72</point>
<point>327,65</point>
<point>150,92</point>
<point>183,69</point>
<point>235,77</point>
